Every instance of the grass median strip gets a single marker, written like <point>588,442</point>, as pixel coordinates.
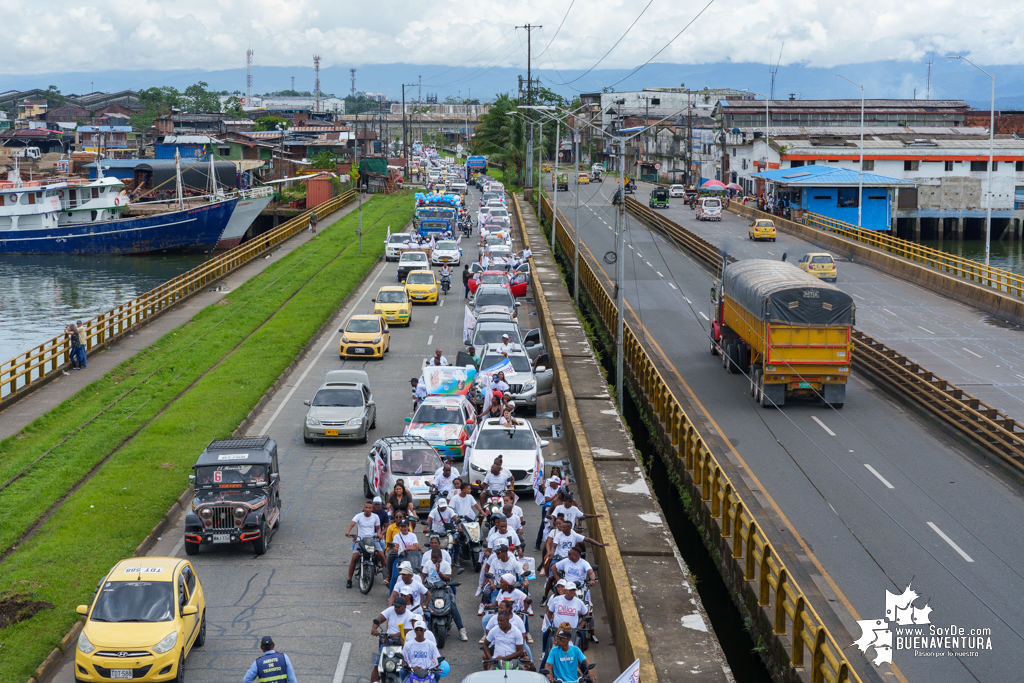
<point>113,511</point>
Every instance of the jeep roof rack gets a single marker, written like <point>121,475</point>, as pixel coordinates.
<point>405,440</point>
<point>247,443</point>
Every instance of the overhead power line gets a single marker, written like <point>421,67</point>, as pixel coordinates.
<point>557,29</point>
<point>613,46</point>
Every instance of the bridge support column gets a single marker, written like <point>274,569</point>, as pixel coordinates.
<point>1016,230</point>
<point>916,227</point>
<point>940,230</point>
<point>958,228</point>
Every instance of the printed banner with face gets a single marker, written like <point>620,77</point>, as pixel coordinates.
<point>468,322</point>
<point>449,380</point>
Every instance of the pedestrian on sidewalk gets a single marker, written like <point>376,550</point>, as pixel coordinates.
<point>72,332</point>
<point>312,222</point>
<point>82,336</point>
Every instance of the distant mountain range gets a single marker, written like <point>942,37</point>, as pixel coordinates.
<point>950,79</point>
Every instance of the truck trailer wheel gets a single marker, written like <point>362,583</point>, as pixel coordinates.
<point>734,357</point>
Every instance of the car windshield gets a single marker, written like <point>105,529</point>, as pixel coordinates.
<point>339,398</point>
<point>821,259</point>
<point>712,203</point>
<point>495,241</point>
<point>227,475</point>
<point>391,297</point>
<point>415,461</point>
<point>446,245</point>
<point>520,439</point>
<point>418,256</point>
<point>420,279</point>
<point>499,213</point>
<point>435,414</point>
<point>491,333</point>
<point>519,364</point>
<point>120,601</point>
<point>363,326</point>
<point>502,298</point>
<point>765,224</point>
<point>398,239</point>
<point>494,279</point>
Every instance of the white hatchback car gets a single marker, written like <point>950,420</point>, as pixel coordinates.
<point>518,446</point>
<point>446,251</point>
<point>677,191</point>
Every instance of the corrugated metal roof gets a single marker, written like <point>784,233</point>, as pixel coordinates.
<point>189,140</point>
<point>976,146</point>
<point>854,131</point>
<point>828,176</point>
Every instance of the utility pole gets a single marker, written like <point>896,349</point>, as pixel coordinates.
<point>528,182</point>
<point>620,273</point>
<point>359,179</point>
<point>689,140</point>
<point>405,131</point>
<point>576,225</point>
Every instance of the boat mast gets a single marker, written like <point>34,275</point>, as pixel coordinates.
<point>177,176</point>
<point>213,177</point>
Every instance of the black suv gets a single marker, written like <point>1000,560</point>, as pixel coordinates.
<point>237,495</point>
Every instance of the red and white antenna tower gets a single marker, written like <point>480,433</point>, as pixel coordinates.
<point>316,87</point>
<point>248,77</point>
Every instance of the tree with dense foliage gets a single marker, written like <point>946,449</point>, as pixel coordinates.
<point>326,159</point>
<point>197,99</point>
<point>503,138</point>
<point>272,122</point>
<point>233,107</point>
<point>155,103</point>
<point>54,98</point>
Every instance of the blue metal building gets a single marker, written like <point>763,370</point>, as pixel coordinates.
<point>832,192</point>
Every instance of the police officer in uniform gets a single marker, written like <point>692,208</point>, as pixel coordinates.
<point>271,666</point>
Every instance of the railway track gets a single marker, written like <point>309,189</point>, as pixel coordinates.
<point>981,424</point>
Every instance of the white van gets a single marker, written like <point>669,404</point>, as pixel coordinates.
<point>709,209</point>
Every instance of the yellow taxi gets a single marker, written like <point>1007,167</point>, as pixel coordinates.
<point>583,179</point>
<point>762,229</point>
<point>820,264</point>
<point>147,615</point>
<point>422,286</point>
<point>392,302</point>
<point>364,336</point>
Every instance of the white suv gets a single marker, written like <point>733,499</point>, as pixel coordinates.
<point>518,447</point>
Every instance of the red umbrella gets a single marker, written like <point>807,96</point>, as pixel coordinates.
<point>713,185</point>
<point>733,186</point>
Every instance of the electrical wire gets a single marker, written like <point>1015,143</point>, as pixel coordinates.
<point>437,75</point>
<point>621,38</point>
<point>557,30</point>
<point>711,2</point>
<point>483,69</point>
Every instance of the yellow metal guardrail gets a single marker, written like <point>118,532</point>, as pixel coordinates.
<point>778,594</point>
<point>969,269</point>
<point>41,362</point>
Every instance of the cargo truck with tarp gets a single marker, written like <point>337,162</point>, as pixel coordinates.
<point>787,330</point>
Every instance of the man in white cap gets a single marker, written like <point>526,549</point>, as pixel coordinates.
<point>565,608</point>
<point>381,512</point>
<point>506,345</point>
<point>508,591</point>
<point>419,651</point>
<point>407,579</point>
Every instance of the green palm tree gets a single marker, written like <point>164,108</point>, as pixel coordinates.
<point>502,138</point>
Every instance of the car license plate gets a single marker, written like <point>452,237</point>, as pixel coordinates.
<point>424,502</point>
<point>220,538</point>
<point>391,317</point>
<point>120,673</point>
<point>330,432</point>
<point>360,350</point>
<point>805,385</point>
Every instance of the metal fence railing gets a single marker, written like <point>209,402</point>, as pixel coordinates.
<point>793,618</point>
<point>968,269</point>
<point>42,361</point>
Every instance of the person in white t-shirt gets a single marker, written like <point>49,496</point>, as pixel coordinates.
<point>500,534</point>
<point>439,516</point>
<point>506,347</point>
<point>563,538</point>
<point>368,524</point>
<point>565,608</point>
<point>438,360</point>
<point>503,642</point>
<point>497,480</point>
<point>508,591</point>
<point>407,579</point>
<point>403,542</point>
<point>515,523</point>
<point>418,652</point>
<point>574,568</point>
<point>510,499</point>
<point>398,619</point>
<point>436,569</point>
<point>444,479</point>
<point>571,510</point>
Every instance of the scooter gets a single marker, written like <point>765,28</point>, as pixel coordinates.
<point>469,541</point>
<point>440,610</point>
<point>390,661</point>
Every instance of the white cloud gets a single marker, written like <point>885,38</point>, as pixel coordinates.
<point>214,34</point>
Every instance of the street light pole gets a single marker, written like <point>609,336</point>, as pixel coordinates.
<point>554,210</point>
<point>576,225</point>
<point>860,176</point>
<point>539,157</point>
<point>991,150</point>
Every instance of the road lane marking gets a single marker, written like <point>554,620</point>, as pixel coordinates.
<point>630,246</point>
<point>659,273</point>
<point>442,303</point>
<point>430,339</point>
<point>339,671</point>
<point>823,425</point>
<point>704,316</point>
<point>949,540</point>
<point>435,319</point>
<point>882,479</point>
<point>889,312</point>
<point>674,287</point>
<point>327,344</point>
<point>926,330</point>
<point>687,300</point>
<point>973,353</point>
<point>177,547</point>
<point>859,296</point>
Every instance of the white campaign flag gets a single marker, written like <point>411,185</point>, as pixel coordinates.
<point>538,478</point>
<point>631,674</point>
<point>468,323</point>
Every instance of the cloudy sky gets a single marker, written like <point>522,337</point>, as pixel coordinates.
<point>62,36</point>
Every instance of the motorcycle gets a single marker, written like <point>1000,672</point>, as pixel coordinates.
<point>585,678</point>
<point>428,675</point>
<point>467,228</point>
<point>493,506</point>
<point>390,661</point>
<point>469,541</point>
<point>446,284</point>
<point>440,610</point>
<point>369,566</point>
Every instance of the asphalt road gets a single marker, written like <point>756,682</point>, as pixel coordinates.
<point>864,500</point>
<point>296,592</point>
